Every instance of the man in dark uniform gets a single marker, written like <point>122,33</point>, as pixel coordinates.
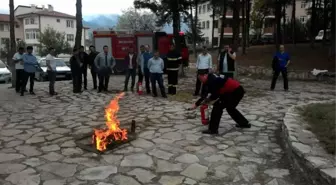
<point>91,58</point>
<point>76,71</point>
<point>226,62</point>
<point>227,93</point>
<point>84,59</point>
<point>173,64</point>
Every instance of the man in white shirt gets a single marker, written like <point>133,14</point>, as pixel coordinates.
<point>17,58</point>
<point>204,66</point>
<point>226,62</point>
<point>131,63</point>
<point>51,70</point>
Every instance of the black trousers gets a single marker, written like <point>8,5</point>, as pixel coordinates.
<point>228,101</point>
<point>31,77</point>
<point>172,81</point>
<point>276,75</point>
<point>94,78</point>
<point>198,82</point>
<point>84,73</point>
<point>103,81</point>
<point>52,79</point>
<point>140,75</point>
<point>227,74</point>
<point>77,82</point>
<point>19,79</point>
<point>157,77</point>
<point>130,73</point>
<point>147,79</point>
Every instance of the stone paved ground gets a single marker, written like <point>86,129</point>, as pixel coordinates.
<point>37,139</point>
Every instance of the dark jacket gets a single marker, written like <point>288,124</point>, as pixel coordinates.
<point>75,65</point>
<point>173,60</point>
<point>91,58</point>
<point>134,60</point>
<point>84,58</point>
<point>230,62</point>
<point>217,86</point>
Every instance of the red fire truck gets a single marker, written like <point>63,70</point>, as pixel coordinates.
<point>119,43</point>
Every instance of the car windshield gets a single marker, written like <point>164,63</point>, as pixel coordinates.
<point>2,65</point>
<point>59,63</point>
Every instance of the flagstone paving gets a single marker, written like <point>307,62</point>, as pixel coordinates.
<point>37,134</point>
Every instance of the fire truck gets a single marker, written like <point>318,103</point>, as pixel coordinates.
<point>119,43</point>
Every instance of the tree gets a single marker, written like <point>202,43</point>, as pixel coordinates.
<point>236,24</point>
<point>5,51</point>
<point>278,16</point>
<point>221,40</point>
<point>197,36</point>
<point>284,22</point>
<point>12,40</point>
<point>301,31</point>
<point>244,25</point>
<point>195,25</point>
<point>261,9</point>
<point>79,24</point>
<point>52,38</point>
<point>248,18</point>
<point>312,23</point>
<point>134,20</point>
<point>293,21</point>
<point>167,11</point>
<point>216,10</point>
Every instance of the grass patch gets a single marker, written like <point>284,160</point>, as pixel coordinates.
<point>321,121</point>
<point>182,96</point>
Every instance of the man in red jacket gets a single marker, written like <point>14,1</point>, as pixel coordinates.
<point>131,63</point>
<point>227,92</point>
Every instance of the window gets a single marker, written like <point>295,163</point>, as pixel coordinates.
<point>4,27</point>
<point>215,24</point>
<point>203,25</point>
<point>32,21</point>
<point>206,39</point>
<point>26,21</point>
<point>17,26</point>
<point>269,23</point>
<point>32,33</point>
<point>207,24</point>
<point>303,4</point>
<point>200,24</point>
<point>303,19</point>
<point>228,23</point>
<point>69,24</point>
<point>200,9</point>
<point>208,7</point>
<point>70,37</point>
<point>58,20</point>
<point>204,7</point>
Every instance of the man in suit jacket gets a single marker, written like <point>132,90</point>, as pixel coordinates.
<point>131,63</point>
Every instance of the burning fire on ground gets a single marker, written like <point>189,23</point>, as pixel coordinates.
<point>103,137</point>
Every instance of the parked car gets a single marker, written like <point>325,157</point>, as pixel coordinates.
<point>5,74</point>
<point>62,70</point>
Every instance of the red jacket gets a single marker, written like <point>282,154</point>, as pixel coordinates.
<point>134,60</point>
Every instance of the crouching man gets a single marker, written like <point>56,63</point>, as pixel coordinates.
<point>227,93</point>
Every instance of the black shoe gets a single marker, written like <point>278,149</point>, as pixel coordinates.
<point>209,132</point>
<point>85,88</point>
<point>154,96</point>
<point>272,89</point>
<point>286,90</point>
<point>165,96</point>
<point>25,90</point>
<point>21,94</point>
<point>195,94</point>
<point>125,90</point>
<point>95,88</point>
<point>243,126</point>
<point>32,93</point>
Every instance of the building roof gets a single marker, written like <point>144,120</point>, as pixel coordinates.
<point>4,18</point>
<point>49,13</point>
<point>38,8</point>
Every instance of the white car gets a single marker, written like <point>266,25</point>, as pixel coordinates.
<point>62,70</point>
<point>5,74</point>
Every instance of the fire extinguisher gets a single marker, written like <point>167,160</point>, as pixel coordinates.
<point>140,88</point>
<point>205,114</point>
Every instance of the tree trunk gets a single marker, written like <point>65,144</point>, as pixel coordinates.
<point>278,23</point>
<point>312,24</point>
<point>12,45</point>
<point>244,26</point>
<point>213,28</point>
<point>235,28</point>
<point>248,11</point>
<point>195,28</point>
<point>284,23</point>
<point>293,21</point>
<point>176,19</point>
<point>221,40</point>
<point>325,20</point>
<point>332,32</point>
<point>79,24</point>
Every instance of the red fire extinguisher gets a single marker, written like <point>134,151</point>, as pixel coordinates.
<point>205,114</point>
<point>140,88</point>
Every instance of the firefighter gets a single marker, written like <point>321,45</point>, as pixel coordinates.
<point>227,93</point>
<point>173,64</point>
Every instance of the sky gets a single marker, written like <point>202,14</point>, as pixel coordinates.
<point>89,7</point>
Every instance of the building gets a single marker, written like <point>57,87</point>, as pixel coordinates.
<point>4,30</point>
<point>205,21</point>
<point>301,11</point>
<point>32,20</point>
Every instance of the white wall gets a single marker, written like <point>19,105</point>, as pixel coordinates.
<point>204,17</point>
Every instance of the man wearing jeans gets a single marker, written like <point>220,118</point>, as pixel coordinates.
<point>104,62</point>
<point>204,66</point>
<point>131,63</point>
<point>17,58</point>
<point>156,66</point>
<point>281,60</point>
<point>51,70</point>
<point>29,65</point>
<point>144,67</point>
<point>91,58</point>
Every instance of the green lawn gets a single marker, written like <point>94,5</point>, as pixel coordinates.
<point>321,120</point>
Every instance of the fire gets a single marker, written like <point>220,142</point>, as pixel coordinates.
<point>103,137</point>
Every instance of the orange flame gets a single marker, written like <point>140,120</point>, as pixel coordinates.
<point>103,137</point>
